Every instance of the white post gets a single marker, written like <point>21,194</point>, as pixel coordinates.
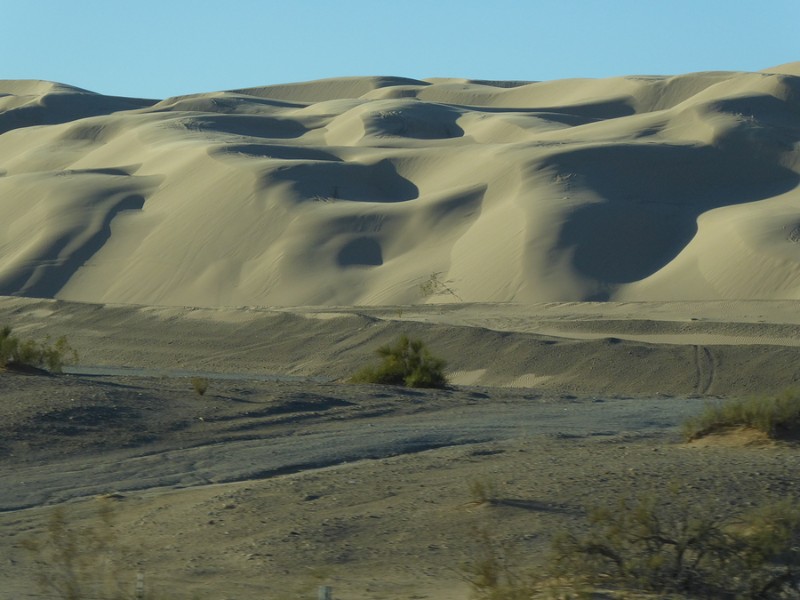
<point>139,595</point>
<point>325,592</point>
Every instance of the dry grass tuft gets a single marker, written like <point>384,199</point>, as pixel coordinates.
<point>778,417</point>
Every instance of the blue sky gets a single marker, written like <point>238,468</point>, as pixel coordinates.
<point>161,48</point>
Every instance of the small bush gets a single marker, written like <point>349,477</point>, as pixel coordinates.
<point>483,491</point>
<point>777,417</point>
<point>434,286</point>
<point>408,362</point>
<point>17,353</point>
<point>491,576</point>
<point>76,563</point>
<point>200,385</point>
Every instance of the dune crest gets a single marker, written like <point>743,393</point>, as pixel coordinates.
<point>389,190</point>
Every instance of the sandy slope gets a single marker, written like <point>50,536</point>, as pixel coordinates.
<point>672,348</point>
<point>355,191</point>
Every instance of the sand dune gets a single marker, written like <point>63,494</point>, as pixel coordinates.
<point>228,235</point>
<point>358,190</point>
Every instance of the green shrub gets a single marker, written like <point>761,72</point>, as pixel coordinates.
<point>17,353</point>
<point>408,362</point>
<point>778,416</point>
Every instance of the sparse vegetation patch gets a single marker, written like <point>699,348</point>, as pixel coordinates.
<point>657,547</point>
<point>24,353</point>
<point>78,563</point>
<point>669,546</point>
<point>434,286</point>
<point>778,417</point>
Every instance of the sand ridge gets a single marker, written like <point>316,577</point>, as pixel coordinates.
<point>594,348</point>
<point>358,190</point>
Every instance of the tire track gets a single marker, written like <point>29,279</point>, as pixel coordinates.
<point>705,369</point>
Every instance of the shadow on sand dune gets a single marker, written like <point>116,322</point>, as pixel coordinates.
<point>44,277</point>
<point>377,182</point>
<point>53,109</point>
<point>651,199</point>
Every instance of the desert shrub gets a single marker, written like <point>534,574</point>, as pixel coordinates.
<point>491,576</point>
<point>16,353</point>
<point>668,546</point>
<point>82,562</point>
<point>777,416</point>
<point>654,547</point>
<point>407,362</point>
<point>76,563</point>
<point>495,574</point>
<point>200,385</point>
<point>483,491</point>
<point>434,286</point>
